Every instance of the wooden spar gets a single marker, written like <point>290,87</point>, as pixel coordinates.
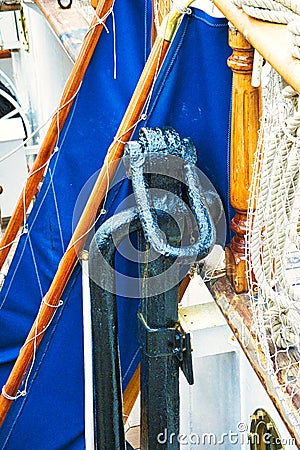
<point>86,221</point>
<point>58,120</point>
<point>131,392</point>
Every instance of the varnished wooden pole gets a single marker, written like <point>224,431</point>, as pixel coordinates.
<point>131,393</point>
<point>37,171</point>
<point>87,219</point>
<point>246,113</point>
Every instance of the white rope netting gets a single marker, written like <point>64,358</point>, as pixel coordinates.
<point>274,242</point>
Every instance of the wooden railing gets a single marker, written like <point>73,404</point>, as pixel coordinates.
<point>273,42</point>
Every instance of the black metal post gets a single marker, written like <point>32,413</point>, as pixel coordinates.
<point>109,426</point>
<point>160,162</point>
<point>160,368</point>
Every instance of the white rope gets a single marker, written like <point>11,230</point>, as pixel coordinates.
<point>181,8</point>
<point>10,397</point>
<point>293,5</point>
<point>57,211</point>
<point>267,10</point>
<point>274,191</point>
<point>269,5</point>
<point>278,11</point>
<point>60,303</point>
<point>160,9</point>
<point>273,243</point>
<point>281,324</point>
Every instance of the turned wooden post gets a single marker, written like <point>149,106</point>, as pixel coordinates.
<point>246,112</point>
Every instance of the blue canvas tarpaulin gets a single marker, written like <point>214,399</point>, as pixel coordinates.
<point>189,95</point>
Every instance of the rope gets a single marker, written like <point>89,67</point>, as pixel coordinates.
<point>291,4</point>
<point>271,230</point>
<point>278,11</point>
<point>281,324</point>
<point>267,10</point>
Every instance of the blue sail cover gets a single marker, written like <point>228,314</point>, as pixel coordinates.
<point>190,95</point>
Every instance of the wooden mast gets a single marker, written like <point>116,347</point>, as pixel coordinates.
<point>246,113</point>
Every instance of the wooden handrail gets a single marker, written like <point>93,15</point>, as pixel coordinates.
<point>69,25</point>
<point>271,40</point>
<point>5,54</point>
<point>70,258</point>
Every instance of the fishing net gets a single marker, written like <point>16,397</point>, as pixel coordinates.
<point>274,243</point>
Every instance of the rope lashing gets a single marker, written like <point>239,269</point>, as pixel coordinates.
<point>274,227</point>
<point>294,29</point>
<point>267,10</point>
